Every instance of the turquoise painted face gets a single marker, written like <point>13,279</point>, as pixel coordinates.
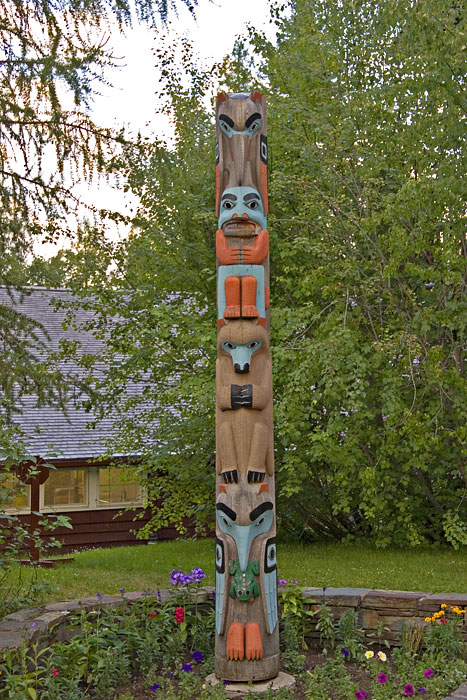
<point>241,353</point>
<point>252,125</point>
<point>261,520</point>
<point>242,203</point>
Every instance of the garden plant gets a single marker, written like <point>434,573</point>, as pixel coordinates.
<point>163,647</point>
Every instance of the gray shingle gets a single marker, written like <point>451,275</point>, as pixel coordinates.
<point>44,426</point>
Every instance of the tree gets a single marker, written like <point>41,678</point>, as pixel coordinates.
<point>52,57</point>
<point>368,276</point>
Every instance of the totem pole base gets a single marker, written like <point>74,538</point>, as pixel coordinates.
<point>246,671</point>
<point>239,690</point>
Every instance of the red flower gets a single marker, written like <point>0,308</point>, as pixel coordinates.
<point>152,614</point>
<point>443,621</point>
<point>54,672</point>
<point>179,615</point>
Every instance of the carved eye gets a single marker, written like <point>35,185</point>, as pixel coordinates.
<point>228,346</point>
<point>254,344</point>
<point>260,522</point>
<point>252,123</point>
<point>253,204</point>
<point>226,522</point>
<point>228,205</point>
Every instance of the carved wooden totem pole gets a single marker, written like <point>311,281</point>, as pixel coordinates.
<point>247,634</point>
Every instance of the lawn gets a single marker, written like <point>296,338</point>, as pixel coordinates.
<point>357,565</point>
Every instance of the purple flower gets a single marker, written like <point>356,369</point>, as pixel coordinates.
<point>422,691</point>
<point>171,675</point>
<point>156,686</point>
<point>121,589</point>
<point>282,582</point>
<point>382,678</point>
<point>99,595</point>
<point>226,682</point>
<point>360,694</point>
<point>408,689</point>
<point>344,652</point>
<point>187,668</point>
<point>197,574</point>
<point>33,624</point>
<point>294,580</point>
<point>428,673</point>
<point>197,656</point>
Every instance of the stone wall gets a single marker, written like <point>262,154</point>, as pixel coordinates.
<point>389,609</point>
<point>393,609</point>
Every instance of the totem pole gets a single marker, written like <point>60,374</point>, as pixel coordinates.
<point>247,634</point>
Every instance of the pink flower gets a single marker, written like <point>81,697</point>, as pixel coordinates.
<point>428,673</point>
<point>408,689</point>
<point>282,582</point>
<point>54,672</point>
<point>382,678</point>
<point>152,614</point>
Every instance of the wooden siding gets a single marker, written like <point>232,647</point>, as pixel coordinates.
<point>104,528</point>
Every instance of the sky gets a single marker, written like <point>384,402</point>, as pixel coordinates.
<point>130,98</point>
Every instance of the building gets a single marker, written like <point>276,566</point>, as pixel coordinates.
<point>93,489</point>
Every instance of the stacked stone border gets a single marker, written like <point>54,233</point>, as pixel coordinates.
<point>47,624</point>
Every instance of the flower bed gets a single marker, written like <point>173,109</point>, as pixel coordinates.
<point>140,646</point>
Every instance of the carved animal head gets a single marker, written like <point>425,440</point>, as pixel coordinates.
<point>243,513</point>
<point>241,155</point>
<point>241,340</point>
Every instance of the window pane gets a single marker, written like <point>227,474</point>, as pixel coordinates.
<point>65,487</point>
<point>18,499</point>
<point>118,486</point>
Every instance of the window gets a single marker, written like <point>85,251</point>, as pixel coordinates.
<point>18,498</point>
<point>65,487</point>
<point>118,486</point>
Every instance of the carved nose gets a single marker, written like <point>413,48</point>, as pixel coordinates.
<point>242,370</point>
<point>244,216</point>
<point>235,216</point>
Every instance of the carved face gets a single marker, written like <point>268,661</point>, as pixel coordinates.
<point>261,519</point>
<point>241,353</point>
<point>242,340</point>
<point>240,204</point>
<point>250,127</point>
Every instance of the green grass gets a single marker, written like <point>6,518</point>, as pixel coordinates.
<point>356,565</point>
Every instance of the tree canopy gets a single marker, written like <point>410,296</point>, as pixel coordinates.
<point>367,114</point>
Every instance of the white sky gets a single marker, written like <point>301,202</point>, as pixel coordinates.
<point>131,101</point>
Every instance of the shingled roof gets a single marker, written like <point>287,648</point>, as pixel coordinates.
<point>49,429</point>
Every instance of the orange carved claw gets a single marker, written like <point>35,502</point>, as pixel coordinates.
<point>235,646</point>
<point>255,254</point>
<point>253,641</point>
<point>227,255</point>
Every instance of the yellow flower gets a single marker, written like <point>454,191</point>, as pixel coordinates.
<point>441,612</point>
<point>369,654</point>
<point>443,605</point>
<point>382,656</point>
<point>427,619</point>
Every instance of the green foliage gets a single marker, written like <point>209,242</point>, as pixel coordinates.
<point>444,639</point>
<point>350,634</point>
<point>368,251</point>
<point>325,627</point>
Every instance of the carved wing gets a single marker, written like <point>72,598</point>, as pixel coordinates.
<point>221,585</point>
<point>268,582</point>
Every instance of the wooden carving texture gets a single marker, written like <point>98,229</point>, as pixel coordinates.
<point>247,634</point>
